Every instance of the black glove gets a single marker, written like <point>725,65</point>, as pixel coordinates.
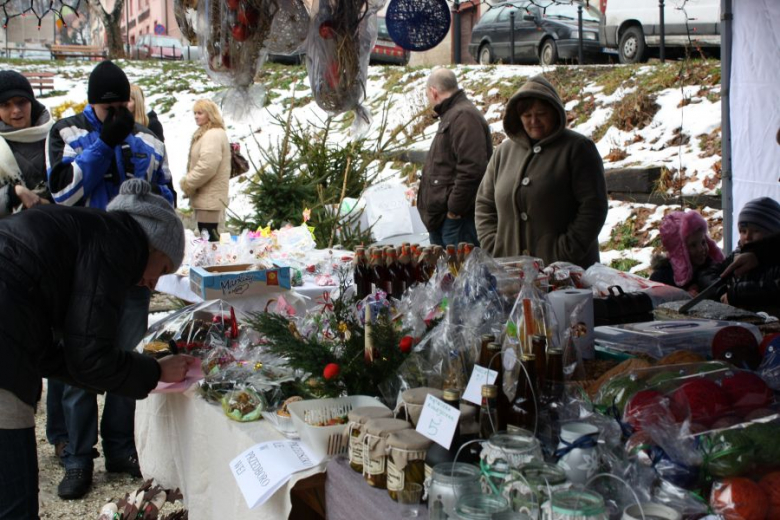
<point>117,126</point>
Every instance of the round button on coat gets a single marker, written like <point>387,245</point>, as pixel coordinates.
<point>526,181</point>
<point>537,149</point>
<point>523,216</point>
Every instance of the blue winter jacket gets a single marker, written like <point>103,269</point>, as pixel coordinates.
<point>84,171</point>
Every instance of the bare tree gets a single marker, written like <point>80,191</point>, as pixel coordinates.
<point>110,19</point>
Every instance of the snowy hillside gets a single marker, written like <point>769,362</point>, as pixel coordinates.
<point>649,115</point>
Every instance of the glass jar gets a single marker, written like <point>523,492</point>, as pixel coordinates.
<point>505,452</point>
<point>406,451</point>
<point>530,487</point>
<point>575,505</point>
<point>357,418</point>
<point>375,433</point>
<point>412,401</point>
<point>476,506</point>
<point>449,480</point>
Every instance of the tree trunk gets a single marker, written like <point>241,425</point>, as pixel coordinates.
<point>116,47</point>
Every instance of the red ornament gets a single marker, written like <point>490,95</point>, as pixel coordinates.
<point>747,392</point>
<point>736,345</point>
<point>647,407</point>
<point>739,498</point>
<point>700,399</point>
<point>326,30</point>
<point>248,16</point>
<point>232,4</point>
<point>771,486</point>
<point>406,344</point>
<point>331,371</point>
<point>240,32</point>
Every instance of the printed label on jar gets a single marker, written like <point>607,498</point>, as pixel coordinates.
<point>395,477</point>
<point>375,466</point>
<point>355,451</point>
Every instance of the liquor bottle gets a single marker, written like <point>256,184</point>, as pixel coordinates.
<point>452,260</point>
<point>539,346</point>
<point>554,381</point>
<point>488,412</point>
<point>484,354</point>
<point>396,274</point>
<point>502,401</point>
<point>522,412</point>
<point>467,251</point>
<point>461,252</point>
<point>410,276</point>
<point>362,275</point>
<point>378,271</point>
<point>438,453</point>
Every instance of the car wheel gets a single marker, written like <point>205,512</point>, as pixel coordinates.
<point>485,55</point>
<point>632,48</point>
<point>549,53</point>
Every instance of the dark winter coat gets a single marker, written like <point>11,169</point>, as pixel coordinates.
<point>546,199</point>
<point>85,171</point>
<point>455,163</point>
<point>65,272</point>
<point>155,126</point>
<point>664,273</point>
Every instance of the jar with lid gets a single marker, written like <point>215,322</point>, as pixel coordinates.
<point>412,401</point>
<point>357,418</point>
<point>575,505</point>
<point>531,486</point>
<point>476,506</point>
<point>406,451</point>
<point>375,433</point>
<point>505,452</point>
<point>450,480</point>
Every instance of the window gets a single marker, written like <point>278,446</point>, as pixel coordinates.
<point>490,16</point>
<point>569,12</point>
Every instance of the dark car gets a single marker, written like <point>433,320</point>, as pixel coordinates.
<point>386,52</point>
<point>152,46</point>
<point>542,35</point>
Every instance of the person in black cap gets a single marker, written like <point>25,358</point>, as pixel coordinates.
<point>62,286</point>
<point>24,125</point>
<point>89,157</point>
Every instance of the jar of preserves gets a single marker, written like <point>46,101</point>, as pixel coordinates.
<point>412,401</point>
<point>406,451</point>
<point>357,418</point>
<point>375,434</point>
<point>505,452</point>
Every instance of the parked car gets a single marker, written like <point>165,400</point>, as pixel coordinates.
<point>633,27</point>
<point>542,35</point>
<point>152,46</point>
<point>386,52</point>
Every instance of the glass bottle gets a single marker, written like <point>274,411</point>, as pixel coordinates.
<point>502,401</point>
<point>362,274</point>
<point>488,412</point>
<point>522,413</point>
<point>461,252</point>
<point>539,350</point>
<point>395,274</point>
<point>452,260</point>
<point>484,355</point>
<point>410,277</point>
<point>437,453</point>
<point>378,270</point>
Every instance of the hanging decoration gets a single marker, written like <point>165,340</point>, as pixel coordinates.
<point>37,8</point>
<point>418,25</point>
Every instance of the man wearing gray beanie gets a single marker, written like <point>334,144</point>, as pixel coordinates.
<point>66,272</point>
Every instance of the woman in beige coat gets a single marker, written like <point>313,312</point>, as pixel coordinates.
<point>208,168</point>
<point>544,192</point>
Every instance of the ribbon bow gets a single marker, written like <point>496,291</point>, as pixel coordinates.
<point>583,443</point>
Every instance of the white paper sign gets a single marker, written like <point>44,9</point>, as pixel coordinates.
<point>438,421</point>
<point>479,376</point>
<point>262,469</point>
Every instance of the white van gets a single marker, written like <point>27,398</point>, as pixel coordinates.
<point>633,26</point>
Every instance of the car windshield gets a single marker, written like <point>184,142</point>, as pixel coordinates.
<point>569,12</point>
<point>166,42</point>
<point>381,26</point>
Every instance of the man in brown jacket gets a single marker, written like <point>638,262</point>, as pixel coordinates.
<point>455,163</point>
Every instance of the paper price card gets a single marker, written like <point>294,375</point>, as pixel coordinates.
<point>438,421</point>
<point>264,468</point>
<point>479,376</point>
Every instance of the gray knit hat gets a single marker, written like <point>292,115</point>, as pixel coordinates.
<point>155,215</point>
<point>762,212</point>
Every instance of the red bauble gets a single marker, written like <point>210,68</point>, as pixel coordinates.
<point>240,32</point>
<point>646,407</point>
<point>248,16</point>
<point>406,344</point>
<point>746,392</point>
<point>232,4</point>
<point>700,399</point>
<point>739,498</point>
<point>331,371</point>
<point>326,30</point>
<point>771,486</point>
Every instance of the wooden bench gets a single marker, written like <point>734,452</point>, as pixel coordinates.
<point>62,52</point>
<point>40,80</point>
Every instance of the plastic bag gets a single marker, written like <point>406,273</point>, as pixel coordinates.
<point>243,405</point>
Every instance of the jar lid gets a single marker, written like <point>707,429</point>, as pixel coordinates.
<point>489,391</point>
<point>361,415</point>
<point>515,450</point>
<point>455,473</point>
<point>418,395</point>
<point>543,473</point>
<point>384,427</point>
<point>581,503</point>
<point>478,505</point>
<point>408,440</point>
<point>451,394</point>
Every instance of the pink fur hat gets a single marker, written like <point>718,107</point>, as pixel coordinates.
<point>675,228</point>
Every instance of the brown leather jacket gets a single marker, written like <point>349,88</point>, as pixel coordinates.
<point>455,163</point>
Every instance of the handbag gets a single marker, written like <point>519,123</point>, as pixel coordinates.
<point>621,307</point>
<point>238,163</point>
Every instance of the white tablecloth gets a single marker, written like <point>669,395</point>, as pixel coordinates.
<point>185,442</point>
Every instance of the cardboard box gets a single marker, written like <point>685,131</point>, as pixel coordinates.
<point>237,281</point>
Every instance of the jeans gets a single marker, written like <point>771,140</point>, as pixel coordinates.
<point>78,411</point>
<point>454,231</point>
<point>18,475</point>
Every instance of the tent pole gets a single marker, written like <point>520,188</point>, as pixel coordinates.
<point>727,198</point>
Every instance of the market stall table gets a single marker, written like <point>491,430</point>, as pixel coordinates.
<point>185,442</point>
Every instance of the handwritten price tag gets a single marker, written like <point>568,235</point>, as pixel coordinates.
<point>479,376</point>
<point>438,421</point>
